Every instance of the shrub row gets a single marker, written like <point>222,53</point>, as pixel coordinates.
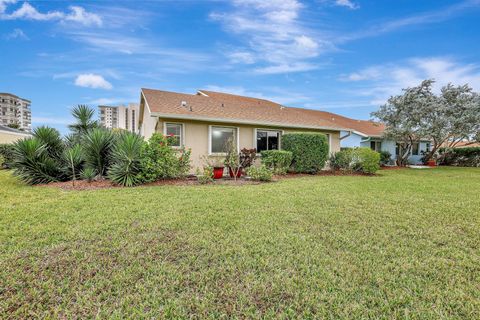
<point>463,157</point>
<point>356,160</point>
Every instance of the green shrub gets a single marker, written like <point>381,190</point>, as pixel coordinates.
<point>33,164</point>
<point>359,159</point>
<point>366,160</point>
<point>206,176</point>
<point>463,157</point>
<point>261,173</point>
<point>309,151</point>
<point>2,162</point>
<point>126,164</point>
<point>385,157</point>
<point>73,157</point>
<point>88,174</point>
<point>97,146</point>
<point>6,151</point>
<point>160,161</point>
<point>278,161</point>
<point>52,140</point>
<point>342,160</point>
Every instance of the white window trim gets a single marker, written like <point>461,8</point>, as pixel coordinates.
<point>182,138</point>
<point>262,129</point>
<point>210,153</point>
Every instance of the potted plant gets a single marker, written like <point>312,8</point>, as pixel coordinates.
<point>217,166</point>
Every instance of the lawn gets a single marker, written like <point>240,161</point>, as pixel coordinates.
<point>403,244</point>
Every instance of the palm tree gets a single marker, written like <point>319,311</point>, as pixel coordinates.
<point>83,115</point>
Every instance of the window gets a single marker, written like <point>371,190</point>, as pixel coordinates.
<point>267,140</point>
<point>176,131</point>
<point>415,149</point>
<point>219,137</point>
<point>376,145</point>
<point>427,147</point>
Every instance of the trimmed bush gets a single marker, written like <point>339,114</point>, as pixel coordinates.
<point>385,157</point>
<point>261,173</point>
<point>462,157</point>
<point>278,161</point>
<point>6,151</point>
<point>309,151</point>
<point>359,160</point>
<point>366,160</point>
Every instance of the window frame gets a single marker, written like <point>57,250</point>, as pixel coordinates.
<point>378,145</point>
<point>418,149</point>
<point>182,132</point>
<point>271,130</point>
<point>210,136</point>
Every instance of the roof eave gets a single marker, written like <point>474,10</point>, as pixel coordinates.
<point>241,121</point>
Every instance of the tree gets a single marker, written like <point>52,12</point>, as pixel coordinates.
<point>404,115</point>
<point>84,120</point>
<point>13,125</point>
<point>446,119</point>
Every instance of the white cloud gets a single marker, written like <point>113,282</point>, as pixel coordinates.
<point>274,37</point>
<point>77,14</point>
<point>16,34</point>
<point>381,81</point>
<point>347,3</point>
<point>94,81</point>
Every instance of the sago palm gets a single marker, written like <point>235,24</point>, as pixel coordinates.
<point>97,148</point>
<point>126,159</point>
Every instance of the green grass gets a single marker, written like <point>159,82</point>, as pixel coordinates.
<point>404,244</point>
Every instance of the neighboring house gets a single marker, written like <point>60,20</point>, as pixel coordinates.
<point>204,121</point>
<point>15,110</point>
<point>119,117</point>
<point>369,134</point>
<point>9,135</point>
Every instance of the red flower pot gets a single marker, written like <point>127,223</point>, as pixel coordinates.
<point>239,173</point>
<point>218,172</point>
<point>431,163</point>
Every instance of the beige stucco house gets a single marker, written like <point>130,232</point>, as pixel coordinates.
<point>204,121</point>
<point>10,135</point>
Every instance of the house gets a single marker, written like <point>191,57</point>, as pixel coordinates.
<point>10,135</point>
<point>204,121</point>
<point>369,134</point>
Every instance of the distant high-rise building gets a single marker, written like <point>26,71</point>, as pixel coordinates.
<point>15,111</point>
<point>120,117</point>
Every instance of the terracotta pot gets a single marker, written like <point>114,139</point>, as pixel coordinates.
<point>431,163</point>
<point>218,172</point>
<point>239,173</point>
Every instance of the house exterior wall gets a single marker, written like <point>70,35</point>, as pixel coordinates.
<point>10,137</point>
<point>196,137</point>
<point>352,141</point>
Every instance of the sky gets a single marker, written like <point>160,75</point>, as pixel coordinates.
<point>341,56</point>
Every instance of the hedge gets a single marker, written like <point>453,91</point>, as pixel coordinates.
<point>309,151</point>
<point>278,161</point>
<point>463,157</point>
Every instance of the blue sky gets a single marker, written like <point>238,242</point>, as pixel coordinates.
<point>343,56</point>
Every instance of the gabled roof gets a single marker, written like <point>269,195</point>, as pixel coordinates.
<point>223,107</point>
<point>364,127</point>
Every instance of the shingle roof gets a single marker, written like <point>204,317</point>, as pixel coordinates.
<point>217,106</point>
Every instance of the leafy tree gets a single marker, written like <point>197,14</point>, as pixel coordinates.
<point>445,119</point>
<point>13,125</point>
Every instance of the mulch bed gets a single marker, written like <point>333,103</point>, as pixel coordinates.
<point>192,180</point>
